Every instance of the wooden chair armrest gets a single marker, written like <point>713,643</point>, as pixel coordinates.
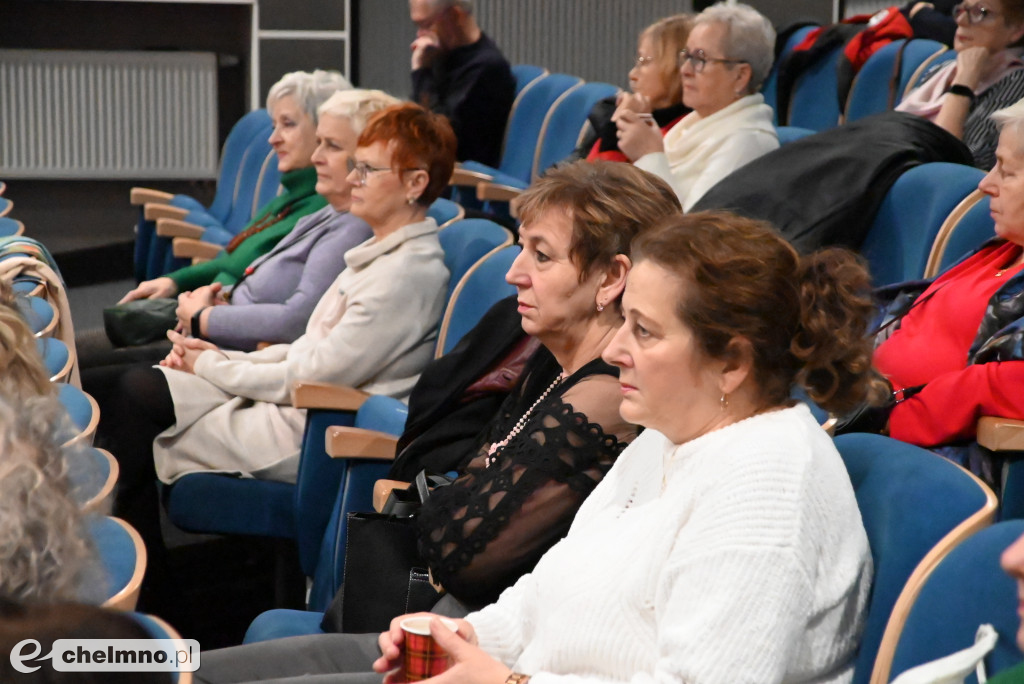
<point>140,196</point>
<point>324,395</point>
<point>154,212</point>
<point>187,248</point>
<point>496,192</point>
<point>466,177</point>
<point>172,228</point>
<point>343,441</point>
<point>1001,434</point>
<point>382,490</point>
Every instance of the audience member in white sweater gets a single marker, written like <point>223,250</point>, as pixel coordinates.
<point>725,544</point>
<point>728,55</point>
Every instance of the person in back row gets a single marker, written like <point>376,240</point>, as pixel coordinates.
<point>728,55</point>
<point>459,72</point>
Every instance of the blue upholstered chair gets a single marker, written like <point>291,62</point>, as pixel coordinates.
<point>770,86</point>
<point>208,502</point>
<point>445,212</point>
<point>254,123</point>
<point>814,103</point>
<point>968,226</point>
<point>559,135</point>
<point>916,506</point>
<point>11,227</point>
<point>57,358</point>
<point>525,74</point>
<point>926,69</point>
<point>879,86</point>
<point>965,589</point>
<point>92,476</point>
<point>39,314</point>
<point>5,206</point>
<point>522,134</point>
<point>479,290</point>
<point>909,218</point>
<point>123,558</point>
<point>788,134</point>
<point>83,411</point>
<point>157,628</point>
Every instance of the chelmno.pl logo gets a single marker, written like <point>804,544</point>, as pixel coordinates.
<point>109,655</point>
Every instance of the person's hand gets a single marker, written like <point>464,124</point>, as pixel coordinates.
<point>185,351</point>
<point>920,6</point>
<point>191,302</point>
<point>390,643</point>
<point>469,663</point>
<point>636,102</point>
<point>637,135</point>
<point>152,289</point>
<point>971,64</point>
<point>424,49</point>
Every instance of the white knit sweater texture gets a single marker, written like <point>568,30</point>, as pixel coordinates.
<point>751,566</point>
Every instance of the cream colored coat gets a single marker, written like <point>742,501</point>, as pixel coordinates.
<point>374,329</point>
<point>699,152</point>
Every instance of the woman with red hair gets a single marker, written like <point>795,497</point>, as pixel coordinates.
<point>205,409</point>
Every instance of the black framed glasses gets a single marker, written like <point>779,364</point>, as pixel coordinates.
<point>975,13</point>
<point>363,169</point>
<point>698,59</point>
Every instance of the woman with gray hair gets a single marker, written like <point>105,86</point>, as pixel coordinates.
<point>293,103</point>
<point>728,55</point>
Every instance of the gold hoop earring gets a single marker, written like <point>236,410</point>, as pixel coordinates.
<point>724,402</point>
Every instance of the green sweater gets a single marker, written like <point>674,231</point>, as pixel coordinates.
<point>299,192</point>
<point>1015,675</point>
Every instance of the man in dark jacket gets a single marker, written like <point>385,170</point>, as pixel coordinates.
<point>459,72</point>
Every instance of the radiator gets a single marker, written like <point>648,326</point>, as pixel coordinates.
<point>75,114</point>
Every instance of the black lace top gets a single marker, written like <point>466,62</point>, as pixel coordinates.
<point>489,527</point>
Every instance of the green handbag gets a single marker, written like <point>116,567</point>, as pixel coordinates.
<point>139,321</point>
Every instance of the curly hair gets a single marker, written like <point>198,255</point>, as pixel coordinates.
<point>805,318</point>
<point>609,204</point>
<point>22,371</point>
<point>45,552</point>
<point>418,139</point>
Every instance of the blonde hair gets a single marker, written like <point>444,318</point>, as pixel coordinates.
<point>22,371</point>
<point>357,105</point>
<point>668,36</point>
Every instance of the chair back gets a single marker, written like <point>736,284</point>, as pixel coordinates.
<point>966,589</point>
<point>788,134</point>
<point>525,74</point>
<point>525,123</point>
<point>966,229</point>
<point>445,212</point>
<point>915,506</point>
<point>159,629</point>
<point>248,182</point>
<point>123,557</point>
<point>241,134</point>
<point>82,410</point>
<point>92,475</point>
<point>565,122</point>
<point>814,103</point>
<point>480,289</point>
<point>879,85</point>
<point>926,68</point>
<point>770,86</point>
<point>39,314</point>
<point>465,242</point>
<point>57,357</point>
<point>900,238</point>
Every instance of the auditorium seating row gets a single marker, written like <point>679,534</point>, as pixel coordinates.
<point>92,473</point>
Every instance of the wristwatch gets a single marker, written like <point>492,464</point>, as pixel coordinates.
<point>962,90</point>
<point>517,678</point>
<point>195,325</point>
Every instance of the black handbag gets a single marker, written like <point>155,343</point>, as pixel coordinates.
<point>139,321</point>
<point>384,574</point>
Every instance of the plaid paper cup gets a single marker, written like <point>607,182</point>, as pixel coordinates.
<point>423,657</point>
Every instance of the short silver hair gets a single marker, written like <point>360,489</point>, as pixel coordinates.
<point>749,37</point>
<point>308,89</point>
<point>1012,117</point>
<point>357,105</point>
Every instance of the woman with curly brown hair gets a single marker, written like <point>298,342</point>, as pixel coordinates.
<point>725,544</point>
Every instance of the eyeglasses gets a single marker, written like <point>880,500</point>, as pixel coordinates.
<point>640,60</point>
<point>698,59</point>
<point>363,169</point>
<point>975,13</point>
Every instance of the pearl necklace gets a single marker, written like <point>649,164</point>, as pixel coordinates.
<point>492,453</point>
